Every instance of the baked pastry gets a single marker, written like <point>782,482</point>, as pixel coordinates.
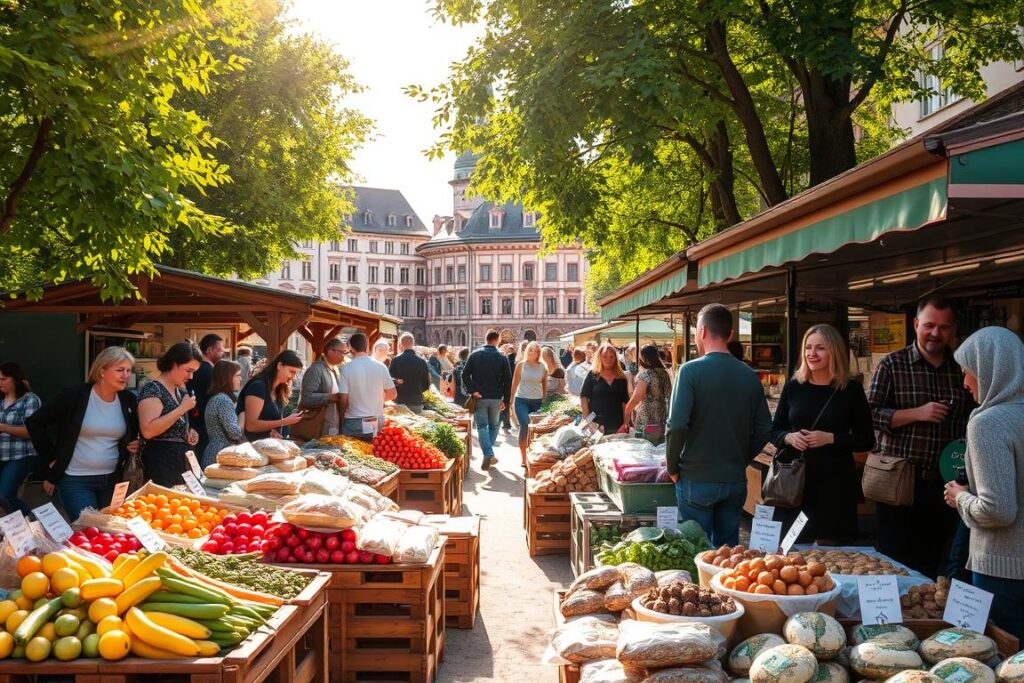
<point>276,484</point>
<point>276,449</point>
<point>241,455</point>
<point>218,471</point>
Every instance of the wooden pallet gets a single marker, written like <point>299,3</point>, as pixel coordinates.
<point>548,518</point>
<point>428,491</point>
<point>388,486</point>
<point>298,633</point>
<point>462,571</point>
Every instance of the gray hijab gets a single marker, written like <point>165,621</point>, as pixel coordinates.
<point>994,355</point>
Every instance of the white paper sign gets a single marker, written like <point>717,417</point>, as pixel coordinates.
<point>667,517</point>
<point>794,533</point>
<point>764,535</point>
<point>879,600</point>
<point>764,512</point>
<point>147,537</point>
<point>193,465</point>
<point>370,426</point>
<point>193,484</point>
<point>55,525</point>
<point>17,531</point>
<point>967,607</point>
<point>590,426</point>
<point>120,492</point>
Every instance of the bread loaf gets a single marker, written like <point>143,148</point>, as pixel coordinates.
<point>241,455</point>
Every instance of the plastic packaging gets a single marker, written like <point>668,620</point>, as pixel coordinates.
<point>655,646</point>
<point>583,640</point>
<point>609,671</point>
<point>327,512</point>
<point>321,481</point>
<point>382,534</point>
<point>416,545</point>
<point>241,455</point>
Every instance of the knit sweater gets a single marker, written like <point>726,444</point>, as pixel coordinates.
<point>995,453</point>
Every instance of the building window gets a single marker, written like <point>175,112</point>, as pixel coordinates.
<point>389,247</point>
<point>307,244</point>
<point>405,249</point>
<point>550,272</point>
<point>421,276</point>
<point>389,275</point>
<point>572,306</point>
<point>389,306</point>
<point>572,272</point>
<point>506,272</point>
<point>528,307</point>
<point>307,270</point>
<point>367,217</point>
<point>334,272</point>
<point>506,306</point>
<point>496,215</point>
<point>485,272</point>
<point>403,308</point>
<point>449,306</point>
<point>408,224</point>
<point>485,306</point>
<point>373,274</point>
<point>353,274</point>
<point>528,272</point>
<point>551,306</point>
<point>353,301</point>
<point>353,246</point>
<point>938,98</point>
<point>528,219</point>
<point>403,276</point>
<point>462,274</point>
<point>391,220</point>
<point>373,246</point>
<point>449,274</point>
<point>462,305</point>
<point>286,270</point>
<point>374,304</point>
<point>335,245</point>
<point>437,307</point>
<point>421,308</point>
<point>437,275</point>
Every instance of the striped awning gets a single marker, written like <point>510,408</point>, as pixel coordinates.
<point>651,292</point>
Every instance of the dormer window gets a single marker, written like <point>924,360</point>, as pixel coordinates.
<point>391,220</point>
<point>408,221</point>
<point>347,218</point>
<point>496,215</point>
<point>529,218</point>
<point>367,217</point>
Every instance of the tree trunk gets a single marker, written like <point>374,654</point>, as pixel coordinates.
<point>21,182</point>
<point>723,194</point>
<point>830,138</point>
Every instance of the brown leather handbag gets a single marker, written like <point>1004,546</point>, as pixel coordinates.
<point>311,426</point>
<point>888,480</point>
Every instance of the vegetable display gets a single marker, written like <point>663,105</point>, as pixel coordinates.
<point>659,549</point>
<point>407,450</point>
<point>239,533</point>
<point>288,543</point>
<point>432,401</point>
<point>687,599</point>
<point>107,546</point>
<point>342,441</point>
<point>444,437</point>
<point>185,516</point>
<point>244,571</point>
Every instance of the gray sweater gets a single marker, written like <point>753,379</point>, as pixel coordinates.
<point>995,453</point>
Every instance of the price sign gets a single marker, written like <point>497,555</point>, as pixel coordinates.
<point>193,465</point>
<point>193,484</point>
<point>54,524</point>
<point>764,535</point>
<point>879,600</point>
<point>370,426</point>
<point>764,512</point>
<point>794,533</point>
<point>967,607</point>
<point>590,426</point>
<point>18,533</point>
<point>147,537</point>
<point>120,491</point>
<point>667,517</point>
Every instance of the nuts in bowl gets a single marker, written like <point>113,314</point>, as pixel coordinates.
<point>681,598</point>
<point>853,563</point>
<point>728,557</point>
<point>778,575</point>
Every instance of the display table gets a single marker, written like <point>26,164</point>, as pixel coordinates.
<point>429,491</point>
<point>590,511</point>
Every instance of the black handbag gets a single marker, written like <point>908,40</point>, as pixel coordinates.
<point>784,484</point>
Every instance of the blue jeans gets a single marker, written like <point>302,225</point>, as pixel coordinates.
<point>523,408</point>
<point>12,474</point>
<point>716,506</point>
<point>1008,604</point>
<point>959,551</point>
<point>353,426</point>
<point>487,423</point>
<point>78,493</point>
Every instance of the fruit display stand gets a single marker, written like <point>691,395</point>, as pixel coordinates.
<point>547,520</point>
<point>388,486</point>
<point>596,510</point>
<point>385,622</point>
<point>428,491</point>
<point>461,570</point>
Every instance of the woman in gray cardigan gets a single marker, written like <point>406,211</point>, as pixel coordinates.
<point>993,363</point>
<point>221,419</point>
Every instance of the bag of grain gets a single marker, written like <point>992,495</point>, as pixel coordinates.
<point>913,676</point>
<point>655,646</point>
<point>963,670</point>
<point>609,671</point>
<point>830,672</point>
<point>879,661</point>
<point>699,673</point>
<point>885,633</point>
<point>743,655</point>
<point>1012,670</point>
<point>819,633</point>
<point>582,640</point>
<point>957,642</point>
<point>784,664</point>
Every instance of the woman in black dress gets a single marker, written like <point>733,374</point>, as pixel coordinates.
<point>605,392</point>
<point>822,387</point>
<point>164,405</point>
<point>262,400</point>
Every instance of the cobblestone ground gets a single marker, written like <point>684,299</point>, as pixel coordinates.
<point>516,590</point>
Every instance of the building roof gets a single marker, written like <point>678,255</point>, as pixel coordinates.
<point>477,229</point>
<point>380,203</point>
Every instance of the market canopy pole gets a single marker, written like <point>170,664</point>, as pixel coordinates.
<point>638,339</point>
<point>792,339</point>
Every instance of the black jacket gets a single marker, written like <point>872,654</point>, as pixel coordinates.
<point>487,371</point>
<point>415,375</point>
<point>460,394</point>
<point>65,415</point>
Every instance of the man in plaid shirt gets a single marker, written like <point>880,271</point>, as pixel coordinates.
<point>919,405</point>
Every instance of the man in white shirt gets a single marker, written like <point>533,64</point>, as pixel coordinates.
<point>364,386</point>
<point>577,371</point>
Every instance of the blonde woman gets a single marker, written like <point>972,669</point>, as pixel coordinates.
<point>605,392</point>
<point>529,387</point>
<point>556,373</point>
<point>825,417</point>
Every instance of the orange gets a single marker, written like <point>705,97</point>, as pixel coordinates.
<point>114,645</point>
<point>35,585</point>
<point>160,500</point>
<point>157,524</point>
<point>173,529</point>
<point>146,516</point>
<point>189,524</point>
<point>29,564</point>
<point>52,562</point>
<point>195,533</point>
<point>183,510</point>
<point>174,503</point>
<point>194,504</point>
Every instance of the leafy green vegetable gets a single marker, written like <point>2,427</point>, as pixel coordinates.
<point>442,435</point>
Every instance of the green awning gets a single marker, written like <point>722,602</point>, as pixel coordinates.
<point>997,165</point>
<point>655,291</point>
<point>905,210</point>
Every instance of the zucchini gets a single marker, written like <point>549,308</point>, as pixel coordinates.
<point>216,625</point>
<point>165,595</point>
<point>185,610</point>
<point>178,584</point>
<point>35,620</point>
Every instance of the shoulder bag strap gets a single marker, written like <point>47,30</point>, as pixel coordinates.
<point>823,409</point>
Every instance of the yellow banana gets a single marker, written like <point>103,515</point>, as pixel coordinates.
<point>145,568</point>
<point>180,625</point>
<point>133,595</point>
<point>208,648</point>
<point>101,588</point>
<point>94,568</point>
<point>158,636</point>
<point>128,563</point>
<point>141,648</point>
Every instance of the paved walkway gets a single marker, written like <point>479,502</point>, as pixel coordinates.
<point>516,590</point>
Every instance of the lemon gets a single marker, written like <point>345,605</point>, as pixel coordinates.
<point>66,625</point>
<point>14,620</point>
<point>91,645</point>
<point>63,579</point>
<point>54,561</point>
<point>108,624</point>
<point>67,648</point>
<point>48,631</point>
<point>24,603</point>
<point>102,607</point>
<point>6,644</point>
<point>7,608</point>
<point>114,645</point>
<point>35,585</point>
<point>37,649</point>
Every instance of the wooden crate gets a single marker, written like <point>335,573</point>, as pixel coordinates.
<point>298,655</point>
<point>428,491</point>
<point>467,439</point>
<point>591,510</point>
<point>547,522</point>
<point>461,571</point>
<point>1007,644</point>
<point>454,492</point>
<point>388,486</point>
<point>535,468</point>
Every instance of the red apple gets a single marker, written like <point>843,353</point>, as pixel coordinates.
<point>337,557</point>
<point>381,559</point>
<point>293,541</point>
<point>323,556</point>
<point>243,529</point>
<point>255,546</point>
<point>348,546</point>
<point>314,542</point>
<point>304,533</point>
<point>348,535</point>
<point>91,532</point>
<point>352,557</point>
<point>260,518</point>
<point>111,556</point>
<point>211,546</point>
<point>365,557</point>
<point>283,554</point>
<point>244,518</point>
<point>285,529</point>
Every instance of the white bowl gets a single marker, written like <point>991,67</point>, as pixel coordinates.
<point>724,624</point>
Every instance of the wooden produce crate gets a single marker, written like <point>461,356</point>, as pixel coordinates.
<point>297,631</point>
<point>461,571</point>
<point>535,468</point>
<point>428,491</point>
<point>467,439</point>
<point>1007,644</point>
<point>547,522</point>
<point>590,510</point>
<point>388,486</point>
<point>454,492</point>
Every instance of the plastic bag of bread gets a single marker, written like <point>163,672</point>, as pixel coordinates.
<point>710,672</point>
<point>276,449</point>
<point>582,601</point>
<point>292,464</point>
<point>656,646</point>
<point>315,480</point>
<point>218,471</point>
<point>637,578</point>
<point>367,497</point>
<point>609,671</point>
<point>416,545</point>
<point>382,535</point>
<point>241,455</point>
<point>596,579</point>
<point>273,484</point>
<point>582,640</point>
<point>329,512</point>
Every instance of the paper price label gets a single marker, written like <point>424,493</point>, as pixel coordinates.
<point>18,533</point>
<point>147,537</point>
<point>193,465</point>
<point>193,484</point>
<point>764,535</point>
<point>967,606</point>
<point>764,512</point>
<point>794,533</point>
<point>879,600</point>
<point>370,426</point>
<point>55,525</point>
<point>667,517</point>
<point>120,492</point>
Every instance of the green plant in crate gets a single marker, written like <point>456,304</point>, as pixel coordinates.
<point>658,549</point>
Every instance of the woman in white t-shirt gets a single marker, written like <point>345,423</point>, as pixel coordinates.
<point>529,387</point>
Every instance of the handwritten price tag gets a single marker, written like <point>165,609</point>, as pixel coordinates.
<point>18,533</point>
<point>879,600</point>
<point>193,484</point>
<point>147,537</point>
<point>667,517</point>
<point>120,492</point>
<point>794,533</point>
<point>55,525</point>
<point>967,606</point>
<point>764,535</point>
<point>764,512</point>
<point>193,465</point>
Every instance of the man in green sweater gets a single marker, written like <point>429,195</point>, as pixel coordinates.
<point>718,422</point>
